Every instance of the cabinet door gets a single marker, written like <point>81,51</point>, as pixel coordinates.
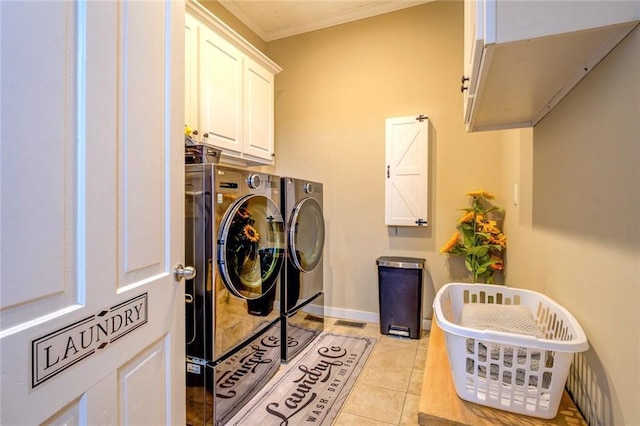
<point>258,111</point>
<point>191,100</point>
<point>474,34</point>
<point>220,91</point>
<point>406,186</point>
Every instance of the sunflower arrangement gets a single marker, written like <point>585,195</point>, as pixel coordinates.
<point>478,237</point>
<point>245,246</point>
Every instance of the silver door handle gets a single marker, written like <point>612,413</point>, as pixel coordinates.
<point>186,272</point>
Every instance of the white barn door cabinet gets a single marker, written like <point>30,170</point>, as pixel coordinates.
<point>406,173</point>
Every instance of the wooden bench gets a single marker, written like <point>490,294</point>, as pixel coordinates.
<point>440,405</point>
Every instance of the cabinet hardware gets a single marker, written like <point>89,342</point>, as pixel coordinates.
<point>463,80</point>
<point>421,118</point>
<point>388,172</point>
<point>421,222</point>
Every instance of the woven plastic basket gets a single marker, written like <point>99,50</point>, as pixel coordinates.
<point>512,372</point>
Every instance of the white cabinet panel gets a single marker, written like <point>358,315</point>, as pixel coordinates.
<point>258,111</point>
<point>220,91</point>
<point>522,57</point>
<point>191,64</point>
<point>407,147</point>
<point>473,41</point>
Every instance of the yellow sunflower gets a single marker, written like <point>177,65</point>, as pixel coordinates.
<point>467,217</point>
<point>490,227</point>
<point>451,243</point>
<point>499,239</point>
<point>250,233</point>
<point>481,193</point>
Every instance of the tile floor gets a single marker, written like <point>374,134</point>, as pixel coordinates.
<point>388,388</point>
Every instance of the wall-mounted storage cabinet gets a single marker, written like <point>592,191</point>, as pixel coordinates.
<point>522,57</point>
<point>406,169</point>
<point>229,90</point>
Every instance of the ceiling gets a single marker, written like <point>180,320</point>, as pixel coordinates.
<point>276,19</point>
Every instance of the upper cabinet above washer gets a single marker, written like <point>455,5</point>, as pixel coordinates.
<point>522,57</point>
<point>229,90</point>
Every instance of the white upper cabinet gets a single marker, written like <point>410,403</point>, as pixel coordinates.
<point>258,110</point>
<point>406,184</point>
<point>522,57</point>
<point>229,90</point>
<point>220,92</point>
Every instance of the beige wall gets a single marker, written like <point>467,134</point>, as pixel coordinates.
<point>337,88</point>
<point>575,234</point>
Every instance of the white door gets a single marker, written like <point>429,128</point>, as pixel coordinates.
<point>92,166</point>
<point>406,183</point>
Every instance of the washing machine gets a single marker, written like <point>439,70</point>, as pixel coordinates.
<point>235,237</point>
<point>302,287</point>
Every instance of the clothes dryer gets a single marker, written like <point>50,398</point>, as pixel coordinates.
<point>236,239</point>
<point>302,289</point>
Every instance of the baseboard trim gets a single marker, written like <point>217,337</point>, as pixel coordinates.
<point>351,314</point>
<point>426,324</point>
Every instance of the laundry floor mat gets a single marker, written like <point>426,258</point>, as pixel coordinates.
<point>312,389</point>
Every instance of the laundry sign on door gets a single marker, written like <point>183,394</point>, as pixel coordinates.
<point>406,170</point>
<point>55,352</point>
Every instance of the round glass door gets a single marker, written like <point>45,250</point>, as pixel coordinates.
<point>250,246</point>
<point>306,235</point>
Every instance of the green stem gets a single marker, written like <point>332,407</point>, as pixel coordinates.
<point>474,259</point>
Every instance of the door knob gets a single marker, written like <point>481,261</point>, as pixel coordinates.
<point>186,272</point>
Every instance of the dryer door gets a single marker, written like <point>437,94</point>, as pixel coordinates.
<point>251,246</point>
<point>306,235</point>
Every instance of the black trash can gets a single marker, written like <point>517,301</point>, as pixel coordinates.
<point>400,293</point>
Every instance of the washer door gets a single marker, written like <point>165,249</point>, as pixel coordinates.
<point>251,246</point>
<point>306,235</point>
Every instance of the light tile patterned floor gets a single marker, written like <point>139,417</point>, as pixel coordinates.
<point>388,389</point>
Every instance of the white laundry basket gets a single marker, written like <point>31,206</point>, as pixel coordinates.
<point>484,368</point>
